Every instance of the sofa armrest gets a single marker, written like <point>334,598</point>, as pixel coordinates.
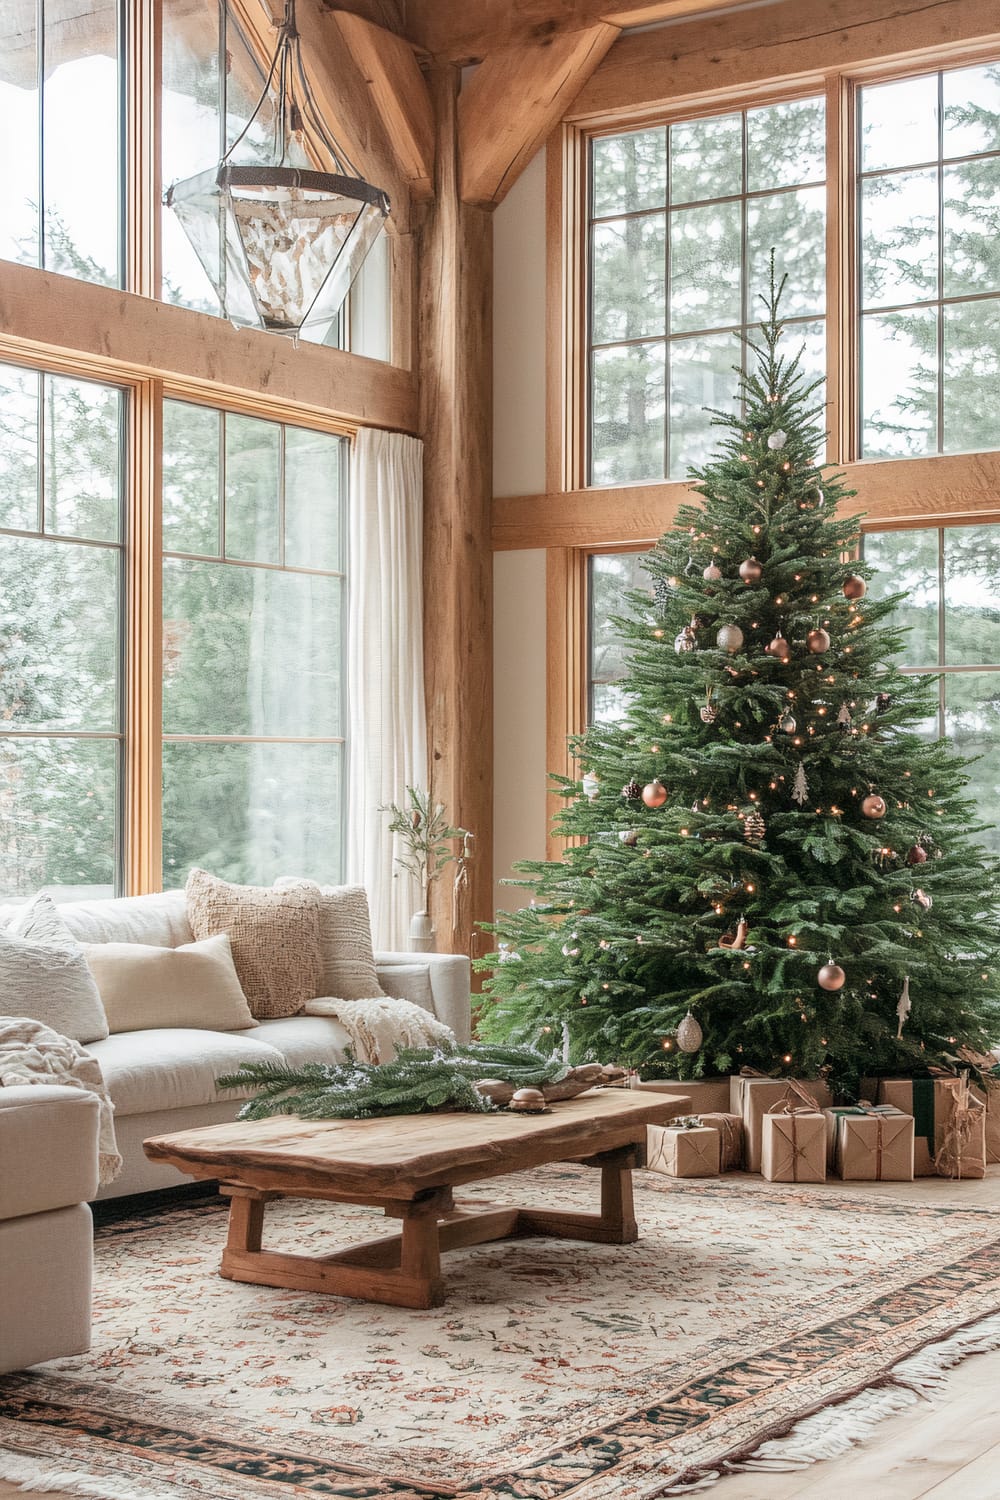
<point>451,985</point>
<point>48,1148</point>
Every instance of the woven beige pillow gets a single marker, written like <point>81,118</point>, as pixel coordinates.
<point>144,988</point>
<point>274,936</point>
<point>347,961</point>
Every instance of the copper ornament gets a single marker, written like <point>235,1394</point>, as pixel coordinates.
<point>654,793</point>
<point>831,977</point>
<point>874,806</point>
<point>854,587</point>
<point>751,570</point>
<point>818,641</point>
<point>779,648</point>
<point>916,855</point>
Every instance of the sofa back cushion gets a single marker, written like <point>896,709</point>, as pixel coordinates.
<point>347,968</point>
<point>160,920</point>
<point>143,987</point>
<point>274,936</point>
<point>44,974</point>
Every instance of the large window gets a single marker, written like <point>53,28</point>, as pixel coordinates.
<point>683,221</point>
<point>950,577</point>
<point>61,633</point>
<point>60,119</point>
<point>929,200</point>
<point>253,602</point>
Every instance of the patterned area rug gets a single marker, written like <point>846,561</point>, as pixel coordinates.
<point>555,1371</point>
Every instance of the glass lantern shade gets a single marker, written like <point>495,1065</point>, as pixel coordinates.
<point>281,245</point>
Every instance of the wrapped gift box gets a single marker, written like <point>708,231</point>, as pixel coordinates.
<point>961,1151</point>
<point>793,1145</point>
<point>871,1145</point>
<point>751,1097</point>
<point>931,1102</point>
<point>704,1093</point>
<point>990,1098</point>
<point>730,1128</point>
<point>682,1151</point>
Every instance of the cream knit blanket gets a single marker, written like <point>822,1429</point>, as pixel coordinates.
<point>33,1053</point>
<point>377,1028</point>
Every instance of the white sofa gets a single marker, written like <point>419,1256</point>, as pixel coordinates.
<point>164,1080</point>
<point>48,1170</point>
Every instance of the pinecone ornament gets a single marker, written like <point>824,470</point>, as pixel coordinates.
<point>632,791</point>
<point>754,827</point>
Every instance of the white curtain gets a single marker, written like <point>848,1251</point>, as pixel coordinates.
<point>387,731</point>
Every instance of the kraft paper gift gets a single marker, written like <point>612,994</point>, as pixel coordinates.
<point>991,1099</point>
<point>751,1096</point>
<point>793,1145</point>
<point>682,1151</point>
<point>961,1152</point>
<point>730,1128</point>
<point>872,1145</point>
<point>704,1093</point>
<point>931,1102</point>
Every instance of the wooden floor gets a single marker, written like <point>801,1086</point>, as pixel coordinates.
<point>945,1450</point>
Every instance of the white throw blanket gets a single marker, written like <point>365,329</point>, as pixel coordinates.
<point>33,1053</point>
<point>377,1028</point>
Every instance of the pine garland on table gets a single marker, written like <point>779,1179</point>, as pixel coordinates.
<point>418,1080</point>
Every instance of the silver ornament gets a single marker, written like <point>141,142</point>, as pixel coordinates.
<point>591,786</point>
<point>787,724</point>
<point>922,899</point>
<point>729,638</point>
<point>685,640</point>
<point>689,1034</point>
<point>777,440</point>
<point>712,573</point>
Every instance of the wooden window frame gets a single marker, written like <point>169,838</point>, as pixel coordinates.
<point>573,520</point>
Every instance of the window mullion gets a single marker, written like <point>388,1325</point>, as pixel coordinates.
<point>841,337</point>
<point>143,636</point>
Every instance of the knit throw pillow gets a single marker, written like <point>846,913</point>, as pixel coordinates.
<point>274,937</point>
<point>348,962</point>
<point>44,975</point>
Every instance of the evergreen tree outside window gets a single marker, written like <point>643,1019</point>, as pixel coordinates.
<point>951,580</point>
<point>682,221</point>
<point>253,647</point>
<point>929,274</point>
<point>61,633</point>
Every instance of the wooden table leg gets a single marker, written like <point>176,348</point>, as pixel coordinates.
<point>614,1225</point>
<point>246,1216</point>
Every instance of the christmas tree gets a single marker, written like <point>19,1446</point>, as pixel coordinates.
<point>766,864</point>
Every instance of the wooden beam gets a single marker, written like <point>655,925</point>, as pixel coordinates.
<point>340,91</point>
<point>455,368</point>
<point>516,97</point>
<point>399,95</point>
<point>120,335</point>
<point>457,31</point>
<point>903,491</point>
<point>711,55</point>
<point>566,671</point>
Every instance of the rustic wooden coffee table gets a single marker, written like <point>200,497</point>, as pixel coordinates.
<point>409,1166</point>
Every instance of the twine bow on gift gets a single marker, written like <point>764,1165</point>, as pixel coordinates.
<point>791,1110</point>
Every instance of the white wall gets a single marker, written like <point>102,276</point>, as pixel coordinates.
<point>519,577</point>
<point>519,769</point>
<point>519,336</point>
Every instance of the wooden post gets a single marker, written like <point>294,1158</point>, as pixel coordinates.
<point>455,369</point>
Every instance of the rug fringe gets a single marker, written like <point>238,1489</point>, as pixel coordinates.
<point>35,1476</point>
<point>840,1426</point>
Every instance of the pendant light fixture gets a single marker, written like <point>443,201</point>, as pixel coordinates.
<point>279,241</point>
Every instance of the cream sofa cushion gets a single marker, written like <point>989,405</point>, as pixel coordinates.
<point>144,987</point>
<point>48,1148</point>
<point>274,936</point>
<point>44,975</point>
<point>305,1039</point>
<point>159,919</point>
<point>150,1070</point>
<point>345,932</point>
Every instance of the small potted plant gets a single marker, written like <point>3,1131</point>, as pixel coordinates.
<point>427,840</point>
